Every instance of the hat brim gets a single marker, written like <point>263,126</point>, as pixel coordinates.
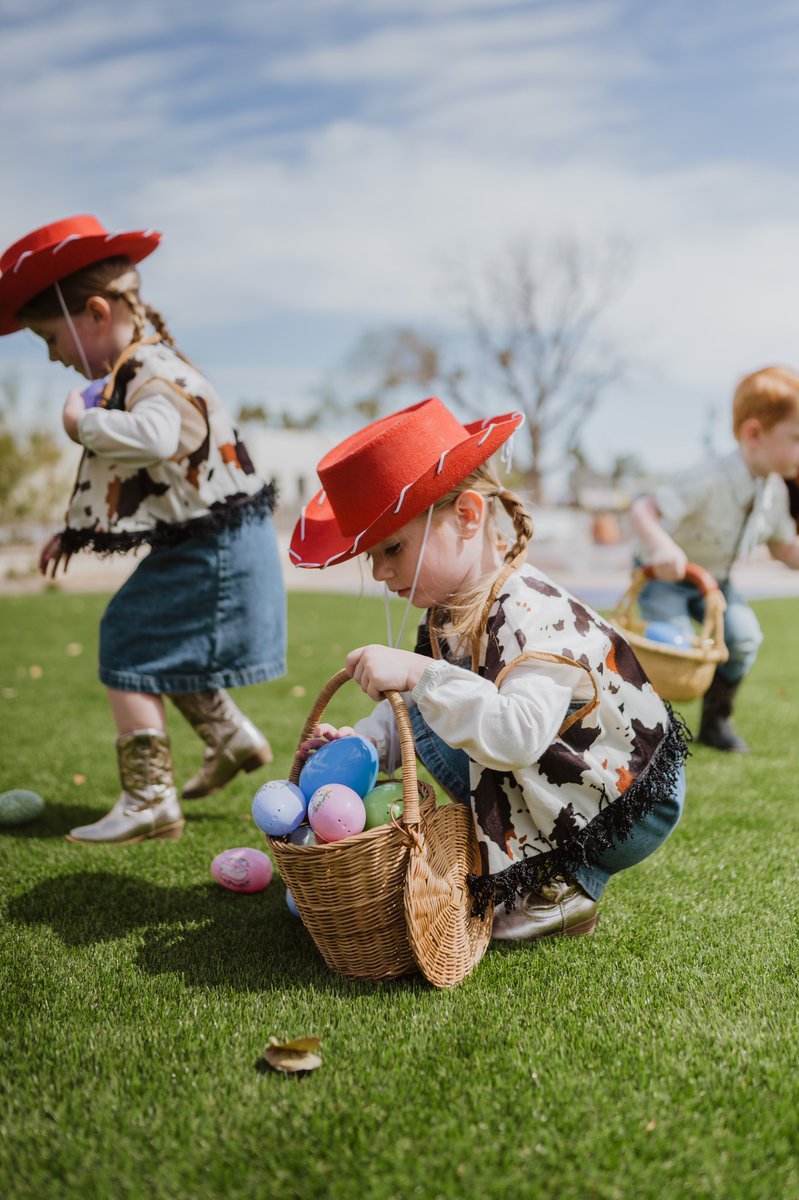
<point>43,268</point>
<point>317,541</point>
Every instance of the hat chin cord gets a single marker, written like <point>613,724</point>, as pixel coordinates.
<point>74,332</point>
<point>412,593</point>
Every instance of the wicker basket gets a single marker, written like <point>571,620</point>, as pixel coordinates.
<point>393,900</point>
<point>677,672</point>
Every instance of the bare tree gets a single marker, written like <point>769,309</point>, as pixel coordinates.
<point>533,320</point>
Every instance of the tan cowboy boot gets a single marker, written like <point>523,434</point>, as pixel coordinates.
<point>148,805</point>
<point>233,743</point>
<point>559,907</point>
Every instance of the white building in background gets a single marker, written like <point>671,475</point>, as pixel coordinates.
<point>289,457</point>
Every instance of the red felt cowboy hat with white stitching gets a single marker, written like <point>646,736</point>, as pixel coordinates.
<point>49,254</point>
<point>390,472</point>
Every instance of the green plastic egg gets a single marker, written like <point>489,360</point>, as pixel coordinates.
<point>17,807</point>
<point>383,803</point>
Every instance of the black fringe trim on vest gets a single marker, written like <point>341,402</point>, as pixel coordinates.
<point>230,513</point>
<point>612,825</point>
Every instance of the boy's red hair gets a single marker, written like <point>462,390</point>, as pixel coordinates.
<point>771,395</point>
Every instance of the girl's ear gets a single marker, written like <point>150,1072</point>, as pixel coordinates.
<point>98,309</point>
<point>470,510</point>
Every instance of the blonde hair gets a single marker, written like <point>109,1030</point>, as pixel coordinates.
<point>771,395</point>
<point>467,613</point>
<point>112,278</point>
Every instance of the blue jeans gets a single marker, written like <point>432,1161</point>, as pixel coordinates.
<point>450,769</point>
<point>678,602</point>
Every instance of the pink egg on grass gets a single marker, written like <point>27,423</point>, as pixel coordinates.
<point>335,812</point>
<point>278,807</point>
<point>242,869</point>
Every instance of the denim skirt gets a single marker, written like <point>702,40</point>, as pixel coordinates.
<point>207,613</point>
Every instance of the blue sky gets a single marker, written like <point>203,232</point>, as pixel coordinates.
<point>312,164</point>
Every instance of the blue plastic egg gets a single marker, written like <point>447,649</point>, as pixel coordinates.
<point>292,907</point>
<point>278,807</point>
<point>352,761</point>
<point>664,631</point>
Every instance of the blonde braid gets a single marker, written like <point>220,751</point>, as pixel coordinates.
<point>130,296</point>
<point>522,523</point>
<point>159,324</point>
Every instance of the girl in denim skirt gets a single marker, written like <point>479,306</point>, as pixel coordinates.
<point>162,468</point>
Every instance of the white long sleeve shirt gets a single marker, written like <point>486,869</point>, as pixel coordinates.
<point>505,727</point>
<point>147,434</point>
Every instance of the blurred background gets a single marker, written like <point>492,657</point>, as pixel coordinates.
<point>584,209</point>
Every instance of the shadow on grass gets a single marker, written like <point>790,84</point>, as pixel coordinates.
<point>211,937</point>
<point>57,821</point>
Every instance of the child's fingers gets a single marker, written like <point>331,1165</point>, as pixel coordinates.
<point>324,730</point>
<point>353,658</point>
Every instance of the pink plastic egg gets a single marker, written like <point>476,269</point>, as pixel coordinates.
<point>335,812</point>
<point>242,870</point>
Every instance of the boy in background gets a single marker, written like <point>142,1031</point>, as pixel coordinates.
<point>715,514</point>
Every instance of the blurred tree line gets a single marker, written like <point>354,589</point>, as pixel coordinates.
<point>31,487</point>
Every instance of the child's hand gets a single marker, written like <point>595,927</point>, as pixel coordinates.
<point>73,407</point>
<point>320,735</point>
<point>53,554</point>
<point>377,668</point>
<point>669,563</point>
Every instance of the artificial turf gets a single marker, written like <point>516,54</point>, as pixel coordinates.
<point>656,1059</point>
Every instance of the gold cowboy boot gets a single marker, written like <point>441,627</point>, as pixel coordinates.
<point>148,806</point>
<point>559,907</point>
<point>232,742</point>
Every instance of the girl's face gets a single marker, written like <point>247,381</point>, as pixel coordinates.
<point>101,339</point>
<point>455,554</point>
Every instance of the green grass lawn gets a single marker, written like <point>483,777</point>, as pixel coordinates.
<point>657,1059</point>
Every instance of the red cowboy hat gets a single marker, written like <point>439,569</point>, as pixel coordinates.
<point>390,472</point>
<point>49,254</point>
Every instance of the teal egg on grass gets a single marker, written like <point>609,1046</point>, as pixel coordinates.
<point>18,806</point>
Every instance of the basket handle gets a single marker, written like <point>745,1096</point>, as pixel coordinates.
<point>410,788</point>
<point>694,574</point>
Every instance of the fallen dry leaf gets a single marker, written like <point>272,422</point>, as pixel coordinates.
<point>650,1126</point>
<point>298,1055</point>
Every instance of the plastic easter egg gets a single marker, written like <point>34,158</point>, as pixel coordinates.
<point>17,807</point>
<point>242,869</point>
<point>348,760</point>
<point>303,835</point>
<point>290,905</point>
<point>335,812</point>
<point>383,803</point>
<point>278,807</point>
<point>664,631</point>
